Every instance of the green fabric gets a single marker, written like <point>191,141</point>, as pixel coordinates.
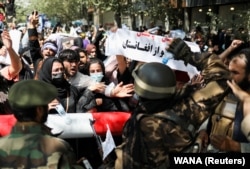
<point>31,93</point>
<point>30,146</point>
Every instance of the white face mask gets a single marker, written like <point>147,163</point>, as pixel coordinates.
<point>97,77</point>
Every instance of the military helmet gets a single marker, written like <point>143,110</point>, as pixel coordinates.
<point>154,81</point>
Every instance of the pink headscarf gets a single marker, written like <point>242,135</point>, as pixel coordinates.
<point>89,47</point>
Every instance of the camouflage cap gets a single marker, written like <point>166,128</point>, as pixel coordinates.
<point>31,93</point>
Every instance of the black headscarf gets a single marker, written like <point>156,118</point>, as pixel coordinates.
<point>45,74</point>
<point>4,88</point>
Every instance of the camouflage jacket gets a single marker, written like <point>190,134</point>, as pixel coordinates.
<point>201,103</point>
<point>30,146</point>
<point>148,146</point>
<point>212,99</point>
<point>160,136</point>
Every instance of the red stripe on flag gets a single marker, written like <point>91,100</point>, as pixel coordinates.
<point>115,120</point>
<point>6,123</point>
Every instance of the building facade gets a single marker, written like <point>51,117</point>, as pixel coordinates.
<point>210,14</point>
<point>216,14</point>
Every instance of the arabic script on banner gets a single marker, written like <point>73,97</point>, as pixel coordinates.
<point>139,46</point>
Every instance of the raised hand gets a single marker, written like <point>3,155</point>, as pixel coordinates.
<point>33,19</point>
<point>6,39</point>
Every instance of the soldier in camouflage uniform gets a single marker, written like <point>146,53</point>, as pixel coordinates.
<point>30,144</point>
<point>224,131</point>
<point>224,126</point>
<point>166,119</point>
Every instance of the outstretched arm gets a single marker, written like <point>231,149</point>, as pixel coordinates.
<point>35,50</point>
<point>181,51</point>
<point>16,65</point>
<point>122,91</point>
<point>234,45</point>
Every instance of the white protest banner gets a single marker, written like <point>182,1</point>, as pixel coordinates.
<point>145,47</point>
<point>140,46</point>
<point>136,45</point>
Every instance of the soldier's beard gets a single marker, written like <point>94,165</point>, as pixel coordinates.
<point>244,84</point>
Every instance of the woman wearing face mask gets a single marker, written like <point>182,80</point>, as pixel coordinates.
<point>52,71</point>
<point>103,102</point>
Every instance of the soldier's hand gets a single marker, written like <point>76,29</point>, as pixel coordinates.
<point>180,50</point>
<point>225,143</point>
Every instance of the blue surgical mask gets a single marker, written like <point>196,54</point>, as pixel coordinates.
<point>97,77</point>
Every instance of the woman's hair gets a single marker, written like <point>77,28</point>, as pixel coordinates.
<point>95,60</point>
<point>100,62</point>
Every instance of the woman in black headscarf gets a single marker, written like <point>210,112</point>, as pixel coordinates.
<point>52,71</point>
